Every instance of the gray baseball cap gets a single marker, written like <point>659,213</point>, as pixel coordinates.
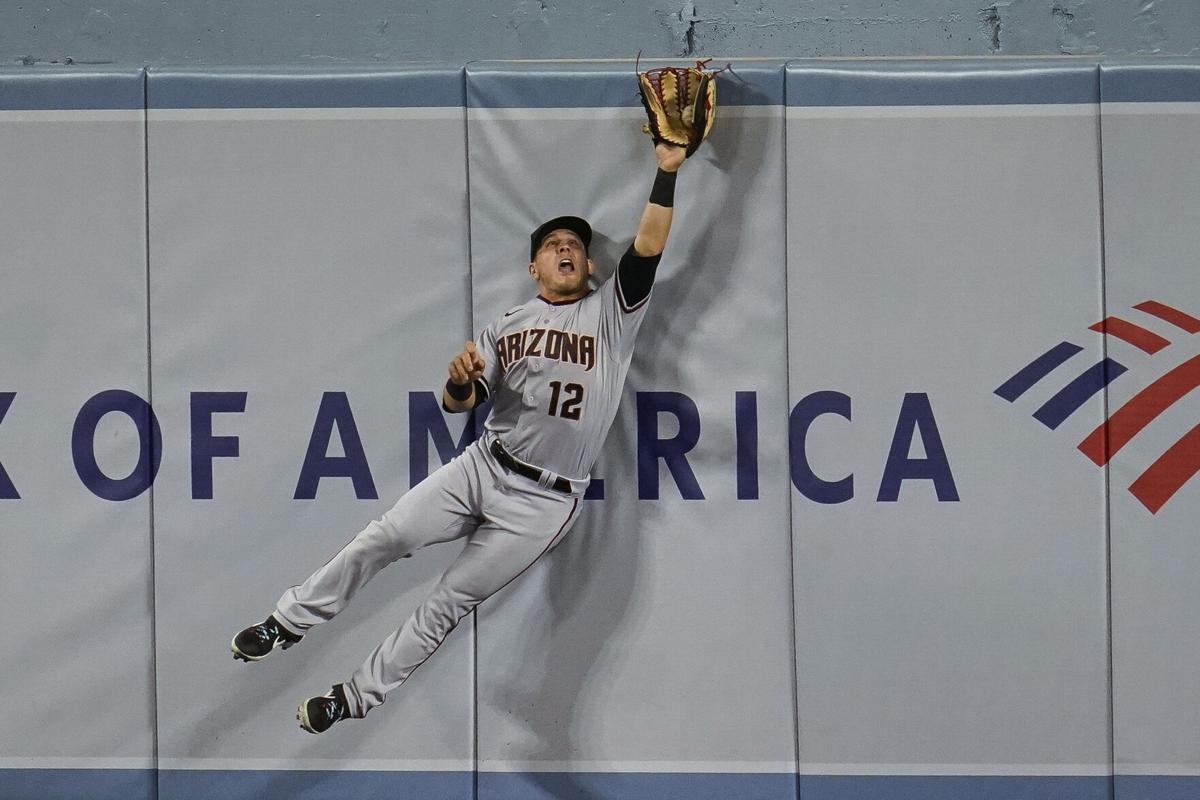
<point>576,225</point>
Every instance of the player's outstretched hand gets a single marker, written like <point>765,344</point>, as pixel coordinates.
<point>467,366</point>
<point>670,157</point>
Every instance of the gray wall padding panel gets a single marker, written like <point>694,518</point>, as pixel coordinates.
<point>951,604</point>
<point>655,637</point>
<point>76,650</point>
<point>1151,123</point>
<point>301,257</point>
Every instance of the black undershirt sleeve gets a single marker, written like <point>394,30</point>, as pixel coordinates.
<point>635,277</point>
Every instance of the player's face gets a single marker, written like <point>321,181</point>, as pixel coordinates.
<point>561,266</point>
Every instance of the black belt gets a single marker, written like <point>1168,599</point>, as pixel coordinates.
<point>534,474</point>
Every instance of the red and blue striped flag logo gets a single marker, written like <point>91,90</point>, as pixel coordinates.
<point>1167,474</point>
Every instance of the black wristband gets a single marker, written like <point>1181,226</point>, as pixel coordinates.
<point>459,391</point>
<point>663,191</point>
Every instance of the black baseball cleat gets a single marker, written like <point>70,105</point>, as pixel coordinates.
<point>254,643</point>
<point>317,714</point>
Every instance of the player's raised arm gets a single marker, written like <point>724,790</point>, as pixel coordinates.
<point>655,225</point>
<point>636,270</point>
<point>465,369</point>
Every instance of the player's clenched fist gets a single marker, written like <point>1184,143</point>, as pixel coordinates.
<point>467,366</point>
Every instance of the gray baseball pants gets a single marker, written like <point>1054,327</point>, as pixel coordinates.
<point>508,522</point>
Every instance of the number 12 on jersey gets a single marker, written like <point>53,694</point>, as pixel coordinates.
<point>572,398</point>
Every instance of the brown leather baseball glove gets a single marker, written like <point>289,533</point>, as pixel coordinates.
<point>680,102</point>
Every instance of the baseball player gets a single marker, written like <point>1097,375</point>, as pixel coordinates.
<point>554,368</point>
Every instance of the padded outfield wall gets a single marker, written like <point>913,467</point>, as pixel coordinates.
<point>860,530</point>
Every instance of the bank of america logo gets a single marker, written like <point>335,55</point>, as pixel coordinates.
<point>1173,468</point>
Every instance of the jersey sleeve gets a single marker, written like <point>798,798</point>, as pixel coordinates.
<point>625,298</point>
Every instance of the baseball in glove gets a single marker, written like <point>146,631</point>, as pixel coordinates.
<point>680,102</point>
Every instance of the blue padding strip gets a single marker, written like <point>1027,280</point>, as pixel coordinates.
<point>314,785</point>
<point>1137,83</point>
<point>551,89</point>
<point>940,84</point>
<point>77,784</point>
<point>606,86</point>
<point>1157,787</point>
<point>640,785</point>
<point>383,88</point>
<point>953,787</point>
<point>70,90</point>
<point>127,784</point>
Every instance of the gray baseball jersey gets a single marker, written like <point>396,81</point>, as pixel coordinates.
<point>555,371</point>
